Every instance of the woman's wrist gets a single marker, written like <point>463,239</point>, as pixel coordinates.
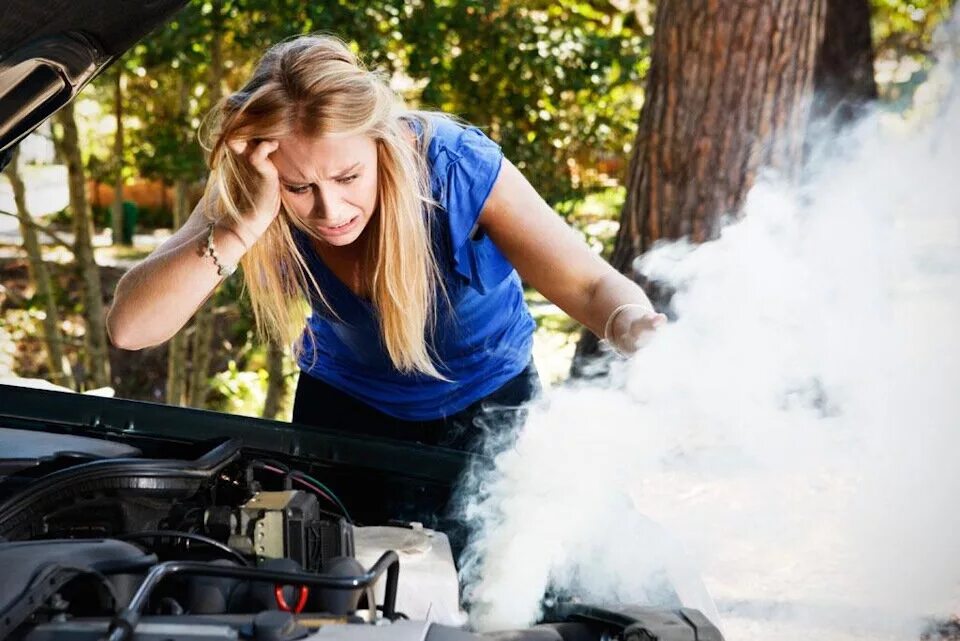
<point>611,323</point>
<point>630,325</point>
<point>211,249</point>
<point>232,230</point>
<point>223,244</point>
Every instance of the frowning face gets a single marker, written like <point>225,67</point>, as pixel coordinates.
<point>329,183</point>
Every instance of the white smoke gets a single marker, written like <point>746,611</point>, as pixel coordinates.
<point>794,433</point>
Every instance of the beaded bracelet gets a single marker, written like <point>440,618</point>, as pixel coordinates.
<point>211,251</point>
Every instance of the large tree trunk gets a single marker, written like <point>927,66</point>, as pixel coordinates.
<point>203,322</point>
<point>97,357</point>
<point>729,93</point>
<point>117,211</point>
<point>177,347</point>
<point>276,382</point>
<point>60,371</point>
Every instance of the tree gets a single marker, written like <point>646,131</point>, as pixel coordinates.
<point>97,358</point>
<point>276,381</point>
<point>61,372</point>
<point>729,93</point>
<point>118,149</point>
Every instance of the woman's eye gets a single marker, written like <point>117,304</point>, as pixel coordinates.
<point>297,190</point>
<point>346,180</point>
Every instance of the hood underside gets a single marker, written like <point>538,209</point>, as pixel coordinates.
<point>49,50</point>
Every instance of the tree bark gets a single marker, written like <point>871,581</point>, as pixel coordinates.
<point>117,217</point>
<point>60,371</point>
<point>176,391</point>
<point>97,357</point>
<point>276,382</point>
<point>729,93</point>
<point>177,347</point>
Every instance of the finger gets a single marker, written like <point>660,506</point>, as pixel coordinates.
<point>259,158</point>
<point>237,146</point>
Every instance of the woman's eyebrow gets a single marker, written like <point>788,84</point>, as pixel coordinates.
<point>291,182</point>
<point>341,174</point>
<point>345,172</point>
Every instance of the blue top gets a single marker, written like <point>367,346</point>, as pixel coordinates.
<point>485,342</point>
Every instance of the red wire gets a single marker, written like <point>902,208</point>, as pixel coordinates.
<point>282,602</point>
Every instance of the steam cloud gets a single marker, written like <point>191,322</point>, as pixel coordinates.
<point>792,437</point>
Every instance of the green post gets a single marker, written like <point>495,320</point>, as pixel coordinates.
<point>130,214</point>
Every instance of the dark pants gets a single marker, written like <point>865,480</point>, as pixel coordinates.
<point>485,426</point>
<point>319,404</point>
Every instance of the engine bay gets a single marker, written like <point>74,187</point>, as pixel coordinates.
<point>147,538</point>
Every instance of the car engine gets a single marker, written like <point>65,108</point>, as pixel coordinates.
<point>100,541</point>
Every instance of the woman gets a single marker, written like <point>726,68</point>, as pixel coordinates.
<point>404,233</point>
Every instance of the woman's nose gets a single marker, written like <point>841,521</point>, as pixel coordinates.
<point>324,204</point>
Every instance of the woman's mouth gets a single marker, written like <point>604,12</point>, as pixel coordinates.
<point>339,230</point>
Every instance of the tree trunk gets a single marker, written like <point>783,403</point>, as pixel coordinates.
<point>203,322</point>
<point>729,93</point>
<point>177,347</point>
<point>844,77</point>
<point>276,382</point>
<point>97,357</point>
<point>117,217</point>
<point>60,371</point>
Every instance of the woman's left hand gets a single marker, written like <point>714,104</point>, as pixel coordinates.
<point>633,327</point>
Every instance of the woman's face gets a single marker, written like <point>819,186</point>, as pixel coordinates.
<point>329,183</point>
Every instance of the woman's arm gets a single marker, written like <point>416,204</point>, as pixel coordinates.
<point>551,257</point>
<point>161,293</point>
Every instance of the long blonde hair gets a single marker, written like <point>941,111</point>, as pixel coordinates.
<point>315,86</point>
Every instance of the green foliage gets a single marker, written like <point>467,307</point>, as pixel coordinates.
<point>241,392</point>
<point>556,83</point>
<point>905,27</point>
<point>903,37</point>
<point>596,217</point>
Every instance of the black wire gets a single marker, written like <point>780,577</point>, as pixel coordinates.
<point>176,534</point>
<point>293,475</point>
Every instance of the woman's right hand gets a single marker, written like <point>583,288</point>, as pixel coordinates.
<point>265,190</point>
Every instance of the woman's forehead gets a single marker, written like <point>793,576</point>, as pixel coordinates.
<point>325,157</point>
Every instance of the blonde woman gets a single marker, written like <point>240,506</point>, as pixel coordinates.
<point>403,234</point>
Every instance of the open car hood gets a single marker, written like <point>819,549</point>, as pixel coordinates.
<point>49,50</point>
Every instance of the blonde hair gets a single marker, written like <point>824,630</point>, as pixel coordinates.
<point>315,86</point>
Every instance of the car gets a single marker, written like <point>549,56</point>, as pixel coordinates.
<point>127,520</point>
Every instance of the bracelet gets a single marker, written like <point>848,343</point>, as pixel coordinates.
<point>613,316</point>
<point>211,251</point>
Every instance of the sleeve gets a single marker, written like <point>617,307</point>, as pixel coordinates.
<point>474,165</point>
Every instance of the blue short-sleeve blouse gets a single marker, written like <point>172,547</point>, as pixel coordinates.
<point>482,340</point>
